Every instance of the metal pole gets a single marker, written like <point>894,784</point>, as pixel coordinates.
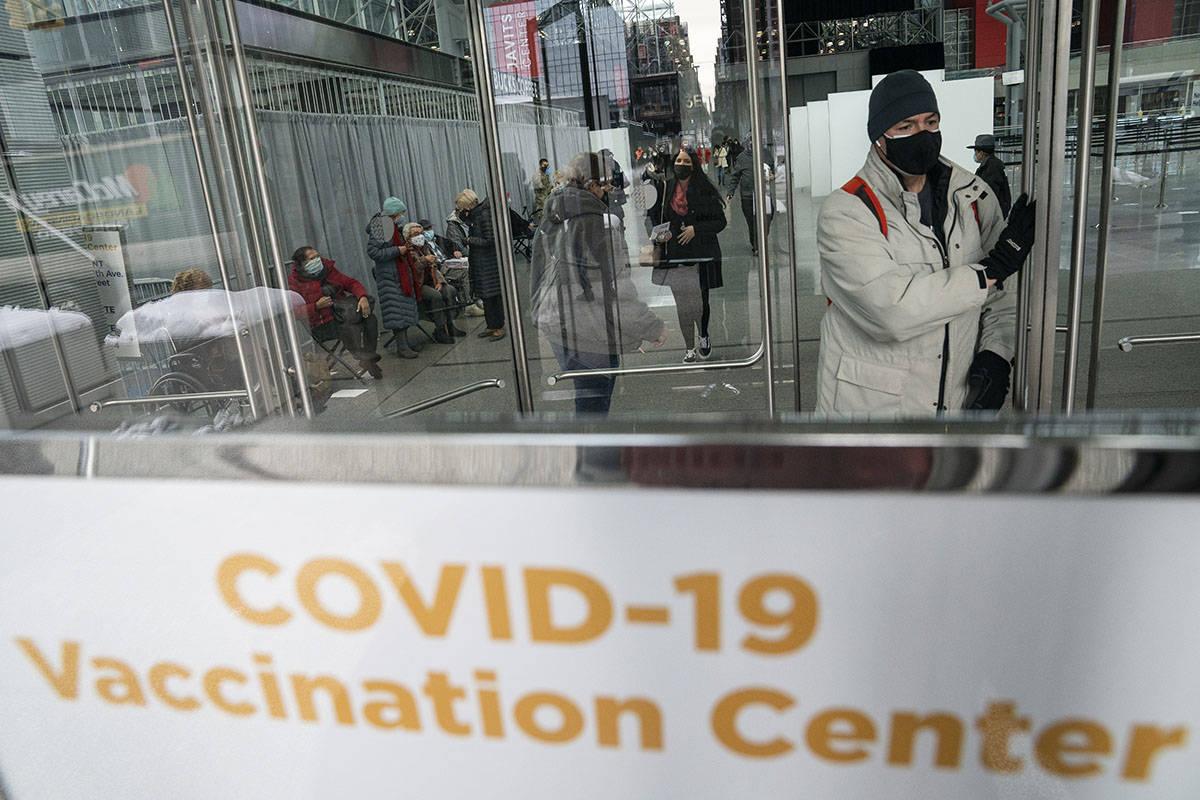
<point>663,369</point>
<point>1029,148</point>
<point>260,181</point>
<point>480,64</point>
<point>202,171</point>
<point>1126,344</point>
<point>760,219</point>
<point>446,397</point>
<point>1085,105</point>
<point>1106,191</point>
<point>1162,180</point>
<point>791,234</point>
<point>270,362</point>
<point>1043,265</point>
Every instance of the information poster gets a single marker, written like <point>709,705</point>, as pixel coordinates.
<point>112,282</point>
<point>271,640</point>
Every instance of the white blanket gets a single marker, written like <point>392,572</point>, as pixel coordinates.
<point>202,314</point>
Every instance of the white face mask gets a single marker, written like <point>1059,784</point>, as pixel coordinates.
<point>418,240</point>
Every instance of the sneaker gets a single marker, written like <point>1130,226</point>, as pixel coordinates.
<point>441,337</point>
<point>689,356</point>
<point>453,330</point>
<point>371,368</point>
<point>407,352</point>
<point>473,310</point>
<point>705,348</point>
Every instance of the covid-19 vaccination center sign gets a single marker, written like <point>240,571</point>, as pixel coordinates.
<point>269,640</point>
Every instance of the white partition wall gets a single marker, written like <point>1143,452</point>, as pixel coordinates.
<point>800,158</point>
<point>818,142</point>
<point>966,107</point>
<point>848,134</point>
<point>967,111</point>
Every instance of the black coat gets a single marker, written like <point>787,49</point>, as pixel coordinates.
<point>706,212</point>
<point>992,172</point>
<point>484,261</point>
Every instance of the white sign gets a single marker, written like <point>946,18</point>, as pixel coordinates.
<point>112,283</point>
<point>1014,78</point>
<point>303,640</point>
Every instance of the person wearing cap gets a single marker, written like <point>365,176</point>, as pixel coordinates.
<point>991,169</point>
<point>387,248</point>
<point>914,257</point>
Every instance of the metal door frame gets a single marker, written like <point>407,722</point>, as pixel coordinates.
<point>481,73</point>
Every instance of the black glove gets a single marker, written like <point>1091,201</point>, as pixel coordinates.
<point>1015,242</point>
<point>987,381</point>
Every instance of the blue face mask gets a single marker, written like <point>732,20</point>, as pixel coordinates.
<point>313,267</point>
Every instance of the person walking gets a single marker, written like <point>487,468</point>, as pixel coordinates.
<point>690,262</point>
<point>720,158</point>
<point>991,169</point>
<point>914,257</point>
<point>584,301</point>
<point>743,179</point>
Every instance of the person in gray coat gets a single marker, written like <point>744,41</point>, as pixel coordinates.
<point>914,256</point>
<point>742,182</point>
<point>584,301</point>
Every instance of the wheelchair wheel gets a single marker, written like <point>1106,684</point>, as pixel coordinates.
<point>179,385</point>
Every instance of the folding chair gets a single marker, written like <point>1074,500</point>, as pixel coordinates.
<point>522,235</point>
<point>335,352</point>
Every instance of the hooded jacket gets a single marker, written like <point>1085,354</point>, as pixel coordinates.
<point>908,311</point>
<point>583,298</point>
<point>457,233</point>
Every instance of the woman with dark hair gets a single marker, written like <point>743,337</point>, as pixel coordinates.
<point>691,258</point>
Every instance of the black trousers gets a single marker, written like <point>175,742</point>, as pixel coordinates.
<point>360,335</point>
<point>493,312</point>
<point>748,213</point>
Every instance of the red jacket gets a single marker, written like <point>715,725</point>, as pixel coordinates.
<point>310,290</point>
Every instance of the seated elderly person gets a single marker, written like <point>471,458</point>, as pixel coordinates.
<point>451,263</point>
<point>336,306</point>
<point>435,294</point>
<point>189,280</point>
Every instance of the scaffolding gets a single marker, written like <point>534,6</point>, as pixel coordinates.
<point>655,39</point>
<point>124,97</point>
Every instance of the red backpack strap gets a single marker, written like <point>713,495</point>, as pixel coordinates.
<point>975,208</point>
<point>859,188</point>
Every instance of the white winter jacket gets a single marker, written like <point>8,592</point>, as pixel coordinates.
<point>906,317</point>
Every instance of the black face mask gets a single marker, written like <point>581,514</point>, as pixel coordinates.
<point>683,171</point>
<point>916,154</point>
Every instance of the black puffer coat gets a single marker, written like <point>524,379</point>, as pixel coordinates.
<point>484,261</point>
<point>706,212</point>
<point>397,309</point>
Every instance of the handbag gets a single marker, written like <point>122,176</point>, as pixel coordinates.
<point>651,254</point>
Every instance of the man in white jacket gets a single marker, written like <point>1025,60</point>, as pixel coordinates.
<point>914,256</point>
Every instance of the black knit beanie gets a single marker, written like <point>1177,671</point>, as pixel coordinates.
<point>898,97</point>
